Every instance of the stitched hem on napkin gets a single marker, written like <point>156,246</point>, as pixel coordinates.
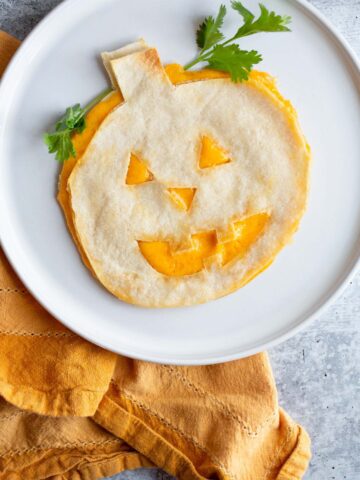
<point>65,464</point>
<point>297,462</point>
<point>144,439</point>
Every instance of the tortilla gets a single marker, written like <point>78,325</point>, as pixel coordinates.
<point>144,248</point>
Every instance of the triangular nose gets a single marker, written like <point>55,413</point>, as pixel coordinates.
<point>182,197</point>
<point>212,154</point>
<point>137,172</point>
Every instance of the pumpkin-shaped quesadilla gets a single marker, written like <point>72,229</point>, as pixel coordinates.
<point>190,186</point>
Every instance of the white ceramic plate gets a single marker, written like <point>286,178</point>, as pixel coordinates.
<point>58,65</point>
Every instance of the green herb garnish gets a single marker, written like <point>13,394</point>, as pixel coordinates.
<point>218,53</point>
<point>73,121</point>
<point>225,55</point>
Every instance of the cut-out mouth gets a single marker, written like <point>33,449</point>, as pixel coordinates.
<point>205,248</point>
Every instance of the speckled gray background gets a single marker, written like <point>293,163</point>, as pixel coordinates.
<point>318,371</point>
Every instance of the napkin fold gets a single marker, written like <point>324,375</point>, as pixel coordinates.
<point>71,410</point>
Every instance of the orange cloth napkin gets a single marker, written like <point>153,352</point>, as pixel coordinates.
<point>70,410</point>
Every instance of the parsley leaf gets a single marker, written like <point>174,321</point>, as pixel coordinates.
<point>226,55</point>
<point>73,121</point>
<point>230,58</point>
<point>209,31</point>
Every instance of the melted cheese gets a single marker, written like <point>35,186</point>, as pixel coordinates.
<point>211,153</point>
<point>81,140</point>
<point>137,171</point>
<point>204,248</point>
<point>182,197</point>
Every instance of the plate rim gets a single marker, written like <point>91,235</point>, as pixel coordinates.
<point>204,359</point>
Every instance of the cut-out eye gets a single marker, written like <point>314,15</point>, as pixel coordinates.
<point>137,172</point>
<point>212,154</point>
<point>182,197</point>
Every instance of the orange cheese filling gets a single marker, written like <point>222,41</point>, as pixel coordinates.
<point>182,197</point>
<point>204,246</point>
<point>81,140</point>
<point>211,153</point>
<point>137,171</point>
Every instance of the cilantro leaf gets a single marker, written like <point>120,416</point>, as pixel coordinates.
<point>73,121</point>
<point>248,17</point>
<point>268,21</point>
<point>226,55</point>
<point>209,31</point>
<point>60,143</point>
<point>230,58</point>
<point>75,118</point>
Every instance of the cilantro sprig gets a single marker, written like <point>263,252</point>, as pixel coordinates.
<point>226,55</point>
<point>218,53</point>
<point>73,121</point>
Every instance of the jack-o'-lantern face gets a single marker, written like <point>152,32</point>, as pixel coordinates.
<point>186,192</point>
<point>199,249</point>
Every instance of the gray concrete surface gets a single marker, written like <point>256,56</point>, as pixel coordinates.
<point>318,371</point>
